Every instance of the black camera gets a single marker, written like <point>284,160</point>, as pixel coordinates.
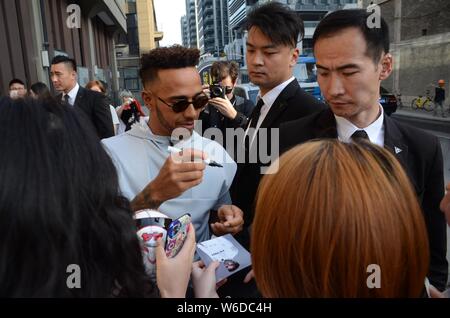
<point>216,90</point>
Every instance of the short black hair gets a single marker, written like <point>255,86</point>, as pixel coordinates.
<point>15,81</point>
<point>278,22</point>
<point>377,38</point>
<point>41,90</point>
<point>66,60</point>
<point>171,57</point>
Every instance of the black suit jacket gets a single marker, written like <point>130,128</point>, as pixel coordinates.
<point>420,156</point>
<point>292,103</point>
<point>96,107</point>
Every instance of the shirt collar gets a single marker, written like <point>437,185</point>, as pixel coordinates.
<point>73,93</point>
<point>270,97</point>
<point>345,128</point>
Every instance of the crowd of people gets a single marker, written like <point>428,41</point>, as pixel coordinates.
<point>351,189</point>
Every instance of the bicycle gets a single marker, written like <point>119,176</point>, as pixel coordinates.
<point>423,102</point>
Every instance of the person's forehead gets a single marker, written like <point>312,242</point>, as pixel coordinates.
<point>227,79</point>
<point>349,39</point>
<point>257,38</point>
<point>183,81</point>
<point>346,47</point>
<point>60,67</point>
<point>190,71</point>
<point>17,85</point>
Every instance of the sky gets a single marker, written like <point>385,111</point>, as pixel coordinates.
<point>168,14</point>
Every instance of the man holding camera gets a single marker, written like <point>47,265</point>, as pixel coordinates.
<point>225,110</point>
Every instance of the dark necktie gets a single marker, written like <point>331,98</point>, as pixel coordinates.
<point>66,98</point>
<point>360,134</point>
<point>256,112</point>
<point>253,122</point>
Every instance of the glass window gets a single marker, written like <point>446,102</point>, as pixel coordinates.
<point>132,84</point>
<point>130,73</point>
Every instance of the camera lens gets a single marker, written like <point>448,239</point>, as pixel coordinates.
<point>216,91</point>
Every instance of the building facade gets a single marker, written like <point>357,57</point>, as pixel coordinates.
<point>184,31</point>
<point>34,31</point>
<point>142,36</point>
<point>420,45</point>
<point>192,24</point>
<point>311,12</point>
<point>212,26</point>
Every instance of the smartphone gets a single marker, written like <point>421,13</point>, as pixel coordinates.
<point>176,234</point>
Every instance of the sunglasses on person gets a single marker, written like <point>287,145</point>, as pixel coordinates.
<point>199,102</point>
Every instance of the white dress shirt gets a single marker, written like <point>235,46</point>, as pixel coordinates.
<point>72,94</point>
<point>269,98</point>
<point>375,130</point>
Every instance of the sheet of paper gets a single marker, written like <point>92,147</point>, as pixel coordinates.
<point>225,249</point>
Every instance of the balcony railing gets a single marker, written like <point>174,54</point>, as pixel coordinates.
<point>208,9</point>
<point>317,7</point>
<point>310,24</point>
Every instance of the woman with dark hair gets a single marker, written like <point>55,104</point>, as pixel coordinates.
<point>60,206</point>
<point>39,90</point>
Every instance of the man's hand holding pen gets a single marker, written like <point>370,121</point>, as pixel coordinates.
<point>179,173</point>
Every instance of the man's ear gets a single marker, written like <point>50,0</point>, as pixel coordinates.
<point>147,97</point>
<point>294,57</point>
<point>386,66</point>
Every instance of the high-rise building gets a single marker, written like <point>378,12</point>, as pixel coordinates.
<point>237,17</point>
<point>142,36</point>
<point>35,31</point>
<point>192,23</point>
<point>212,21</point>
<point>184,31</point>
<point>311,12</point>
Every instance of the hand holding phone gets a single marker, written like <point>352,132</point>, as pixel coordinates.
<point>176,235</point>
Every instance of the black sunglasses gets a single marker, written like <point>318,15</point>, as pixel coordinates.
<point>198,102</point>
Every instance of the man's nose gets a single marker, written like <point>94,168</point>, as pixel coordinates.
<point>256,59</point>
<point>335,86</point>
<point>190,112</point>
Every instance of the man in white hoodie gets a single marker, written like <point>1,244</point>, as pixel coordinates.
<point>175,184</point>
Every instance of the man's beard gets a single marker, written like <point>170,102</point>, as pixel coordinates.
<point>162,121</point>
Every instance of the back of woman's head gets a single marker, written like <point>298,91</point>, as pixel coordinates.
<point>40,90</point>
<point>96,83</point>
<point>60,205</point>
<point>331,211</point>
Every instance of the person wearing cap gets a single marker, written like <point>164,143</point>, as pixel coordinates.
<point>439,97</point>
